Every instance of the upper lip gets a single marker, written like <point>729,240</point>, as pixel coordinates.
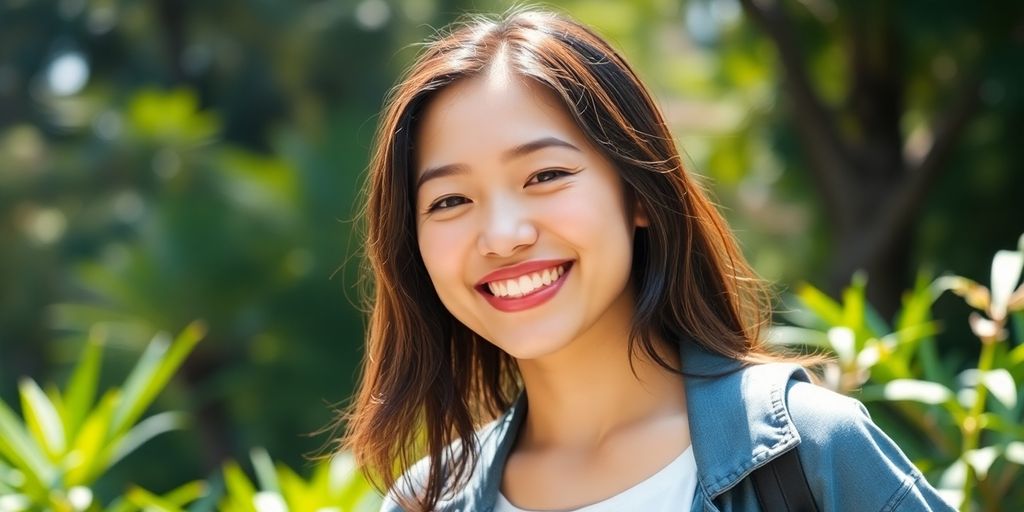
<point>519,269</point>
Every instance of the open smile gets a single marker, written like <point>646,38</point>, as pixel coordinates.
<point>524,286</point>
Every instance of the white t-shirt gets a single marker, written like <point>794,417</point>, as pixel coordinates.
<point>665,490</point>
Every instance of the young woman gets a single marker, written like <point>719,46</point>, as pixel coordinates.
<point>561,320</point>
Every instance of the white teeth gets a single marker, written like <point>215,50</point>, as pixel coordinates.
<point>526,284</point>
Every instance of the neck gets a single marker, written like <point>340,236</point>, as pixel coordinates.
<point>583,395</point>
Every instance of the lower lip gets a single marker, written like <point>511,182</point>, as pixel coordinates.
<point>512,304</point>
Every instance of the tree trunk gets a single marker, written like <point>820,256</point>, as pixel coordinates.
<point>871,192</point>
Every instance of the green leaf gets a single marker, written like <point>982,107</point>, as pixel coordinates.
<point>154,369</point>
<point>999,383</point>
<point>240,490</point>
<point>297,493</point>
<point>265,473</point>
<point>146,429</point>
<point>187,493</point>
<point>820,304</point>
<point>42,419</point>
<point>22,451</point>
<point>976,295</point>
<point>81,390</point>
<point>91,442</point>
<point>854,304</point>
<point>844,343</point>
<point>150,502</point>
<point>1006,269</point>
<point>1015,452</point>
<point>783,335</point>
<point>922,391</point>
<point>911,334</point>
<point>981,459</point>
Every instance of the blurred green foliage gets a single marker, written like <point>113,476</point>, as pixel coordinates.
<point>69,440</point>
<point>166,161</point>
<point>970,447</point>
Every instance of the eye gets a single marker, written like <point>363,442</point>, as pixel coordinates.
<point>548,175</point>
<point>446,202</point>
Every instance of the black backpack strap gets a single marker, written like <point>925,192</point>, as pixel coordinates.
<point>781,485</point>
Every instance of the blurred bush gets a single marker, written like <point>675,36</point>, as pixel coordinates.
<point>68,440</point>
<point>968,445</point>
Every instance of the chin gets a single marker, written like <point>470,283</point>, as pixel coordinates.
<point>528,348</point>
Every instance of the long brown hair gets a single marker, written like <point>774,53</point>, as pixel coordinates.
<point>427,379</point>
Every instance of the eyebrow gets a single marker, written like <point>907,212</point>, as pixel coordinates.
<point>515,152</point>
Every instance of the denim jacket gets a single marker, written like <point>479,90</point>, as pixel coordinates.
<point>740,420</point>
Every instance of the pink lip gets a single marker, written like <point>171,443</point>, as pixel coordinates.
<point>511,304</point>
<point>519,269</point>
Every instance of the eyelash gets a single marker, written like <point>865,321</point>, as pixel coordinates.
<point>559,173</point>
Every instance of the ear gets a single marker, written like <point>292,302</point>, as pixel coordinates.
<point>640,217</point>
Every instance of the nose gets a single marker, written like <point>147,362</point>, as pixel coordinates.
<point>506,229</point>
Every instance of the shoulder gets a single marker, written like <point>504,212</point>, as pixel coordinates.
<point>414,480</point>
<point>848,459</point>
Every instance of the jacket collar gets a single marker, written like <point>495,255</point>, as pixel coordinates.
<point>737,414</point>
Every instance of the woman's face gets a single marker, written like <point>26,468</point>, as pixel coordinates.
<point>522,223</point>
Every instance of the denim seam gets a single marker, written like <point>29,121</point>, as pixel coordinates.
<point>779,415</point>
<point>902,492</point>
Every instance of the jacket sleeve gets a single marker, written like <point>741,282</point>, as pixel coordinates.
<point>849,462</point>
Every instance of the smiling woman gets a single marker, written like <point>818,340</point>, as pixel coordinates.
<point>561,320</point>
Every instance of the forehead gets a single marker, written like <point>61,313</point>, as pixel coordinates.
<point>478,119</point>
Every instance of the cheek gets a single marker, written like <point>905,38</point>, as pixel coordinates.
<point>441,247</point>
<point>591,215</point>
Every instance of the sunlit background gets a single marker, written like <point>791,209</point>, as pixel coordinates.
<point>171,160</point>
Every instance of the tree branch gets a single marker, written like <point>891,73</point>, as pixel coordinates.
<point>900,210</point>
<point>831,163</point>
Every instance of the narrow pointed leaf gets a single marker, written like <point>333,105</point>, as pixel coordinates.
<point>53,394</point>
<point>820,304</point>
<point>142,432</point>
<point>21,450</point>
<point>44,424</point>
<point>150,502</point>
<point>187,493</point>
<point>297,493</point>
<point>152,373</point>
<point>239,488</point>
<point>81,391</point>
<point>264,467</point>
<point>134,388</point>
<point>91,441</point>
<point>854,305</point>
